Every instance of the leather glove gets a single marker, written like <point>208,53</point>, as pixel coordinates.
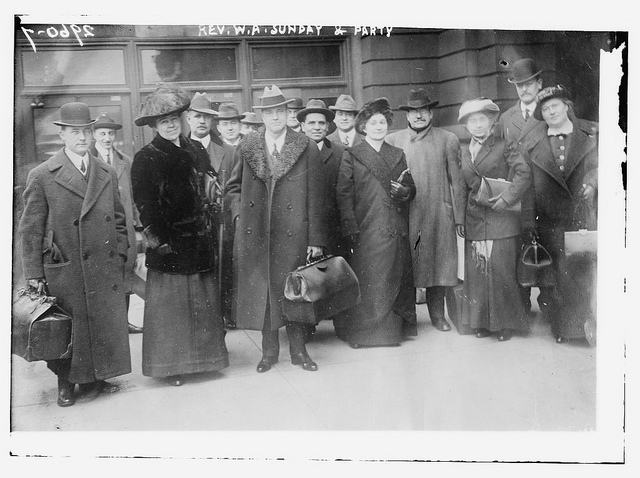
<point>37,284</point>
<point>399,192</point>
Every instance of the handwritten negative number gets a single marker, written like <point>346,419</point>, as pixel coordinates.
<point>53,32</point>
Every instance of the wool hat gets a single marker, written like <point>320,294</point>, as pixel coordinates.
<point>166,99</point>
<point>296,104</point>
<point>105,121</point>
<point>477,105</point>
<point>315,106</point>
<point>251,118</point>
<point>200,103</point>
<point>74,114</point>
<point>547,94</point>
<point>271,98</point>
<point>418,99</point>
<point>229,111</point>
<point>345,103</point>
<point>524,70</point>
<point>373,107</point>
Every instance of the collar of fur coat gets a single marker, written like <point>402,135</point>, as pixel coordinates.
<point>252,148</point>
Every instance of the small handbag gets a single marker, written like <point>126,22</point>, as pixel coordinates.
<point>319,290</point>
<point>494,187</point>
<point>535,266</point>
<point>41,329</point>
<point>583,238</point>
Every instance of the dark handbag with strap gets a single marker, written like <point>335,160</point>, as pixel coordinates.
<point>41,329</point>
<point>319,290</point>
<point>535,266</point>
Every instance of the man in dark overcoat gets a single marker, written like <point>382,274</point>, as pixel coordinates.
<point>276,196</point>
<point>74,243</point>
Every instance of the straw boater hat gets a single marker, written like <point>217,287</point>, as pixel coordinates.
<point>547,94</point>
<point>201,104</point>
<point>74,114</point>
<point>229,111</point>
<point>477,105</point>
<point>379,105</point>
<point>296,104</point>
<point>315,106</point>
<point>166,99</point>
<point>345,103</point>
<point>106,121</point>
<point>418,99</point>
<point>524,70</point>
<point>251,118</point>
<point>271,98</point>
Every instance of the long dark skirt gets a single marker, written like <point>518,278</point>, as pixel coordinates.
<point>183,327</point>
<point>492,296</point>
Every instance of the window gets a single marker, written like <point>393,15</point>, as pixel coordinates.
<point>214,64</point>
<point>298,61</point>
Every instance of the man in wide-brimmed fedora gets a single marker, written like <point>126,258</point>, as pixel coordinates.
<point>345,121</point>
<point>228,123</point>
<point>438,208</point>
<point>276,196</point>
<point>292,109</point>
<point>251,123</point>
<point>104,135</point>
<point>74,245</point>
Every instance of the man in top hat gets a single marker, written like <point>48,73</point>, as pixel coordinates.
<point>228,123</point>
<point>251,123</point>
<point>345,121</point>
<point>104,135</point>
<point>74,246</point>
<point>276,196</point>
<point>438,208</point>
<point>292,110</point>
<point>200,117</point>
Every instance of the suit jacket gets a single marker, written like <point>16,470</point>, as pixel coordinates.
<point>335,137</point>
<point>495,160</point>
<point>331,156</point>
<point>73,234</point>
<point>512,126</point>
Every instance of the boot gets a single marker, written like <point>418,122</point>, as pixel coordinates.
<point>65,393</point>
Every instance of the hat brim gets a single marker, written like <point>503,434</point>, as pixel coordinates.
<point>205,111</point>
<point>144,120</point>
<point>285,102</point>
<point>222,117</point>
<point>517,82</point>
<point>256,123</point>
<point>115,126</point>
<point>430,104</point>
<point>348,110</point>
<point>302,114</point>
<point>81,125</point>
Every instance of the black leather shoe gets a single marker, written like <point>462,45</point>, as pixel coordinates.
<point>560,339</point>
<point>481,333</point>
<point>304,360</point>
<point>65,393</point>
<point>266,363</point>
<point>134,329</point>
<point>504,335</point>
<point>441,324</point>
<point>176,380</point>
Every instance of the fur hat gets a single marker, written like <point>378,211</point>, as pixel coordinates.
<point>166,99</point>
<point>547,94</point>
<point>477,105</point>
<point>373,107</point>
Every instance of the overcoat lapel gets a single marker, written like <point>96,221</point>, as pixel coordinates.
<point>254,151</point>
<point>68,175</point>
<point>119,163</point>
<point>485,150</point>
<point>580,146</point>
<point>98,178</point>
<point>326,151</point>
<point>375,163</point>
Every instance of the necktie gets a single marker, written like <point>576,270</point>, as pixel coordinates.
<point>83,168</point>
<point>109,158</point>
<point>275,155</point>
<point>526,115</point>
<point>345,141</point>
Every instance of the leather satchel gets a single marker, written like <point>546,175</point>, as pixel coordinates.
<point>319,290</point>
<point>535,266</point>
<point>41,329</point>
<point>492,187</point>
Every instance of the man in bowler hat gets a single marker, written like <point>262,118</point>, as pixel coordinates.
<point>74,245</point>
<point>276,196</point>
<point>345,121</point>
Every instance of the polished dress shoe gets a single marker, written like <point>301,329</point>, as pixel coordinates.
<point>441,324</point>
<point>504,335</point>
<point>560,339</point>
<point>481,333</point>
<point>134,329</point>
<point>266,363</point>
<point>176,380</point>
<point>304,360</point>
<point>65,393</point>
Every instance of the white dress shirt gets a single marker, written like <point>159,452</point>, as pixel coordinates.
<point>77,160</point>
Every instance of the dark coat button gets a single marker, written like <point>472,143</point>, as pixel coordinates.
<point>399,210</point>
<point>289,206</point>
<point>114,286</point>
<point>111,253</point>
<point>76,222</point>
<point>85,255</point>
<point>251,203</point>
<point>248,230</point>
<point>107,218</point>
<point>289,233</point>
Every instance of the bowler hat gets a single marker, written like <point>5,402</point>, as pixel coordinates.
<point>373,107</point>
<point>229,111</point>
<point>251,118</point>
<point>547,94</point>
<point>524,70</point>
<point>272,97</point>
<point>200,103</point>
<point>345,103</point>
<point>106,121</point>
<point>418,99</point>
<point>74,114</point>
<point>315,106</point>
<point>296,104</point>
<point>166,99</point>
<point>477,105</point>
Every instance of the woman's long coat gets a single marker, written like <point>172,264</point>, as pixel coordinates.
<point>381,258</point>
<point>74,235</point>
<point>278,213</point>
<point>433,156</point>
<point>553,207</point>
